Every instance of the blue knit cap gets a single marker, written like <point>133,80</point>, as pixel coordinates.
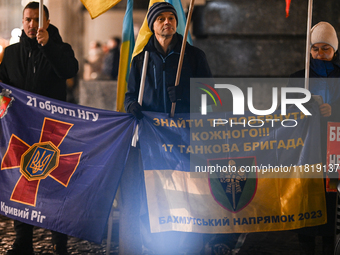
<point>156,9</point>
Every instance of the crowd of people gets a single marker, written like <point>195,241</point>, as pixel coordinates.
<point>102,62</point>
<point>59,64</point>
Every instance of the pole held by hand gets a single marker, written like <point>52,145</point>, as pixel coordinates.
<point>141,94</point>
<point>309,24</point>
<point>41,13</point>
<point>181,57</point>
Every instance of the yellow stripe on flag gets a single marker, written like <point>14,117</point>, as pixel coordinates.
<point>126,50</point>
<point>144,33</point>
<point>142,39</point>
<point>124,65</point>
<point>98,7</point>
<point>277,204</point>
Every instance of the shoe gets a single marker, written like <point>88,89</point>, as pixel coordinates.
<point>16,252</point>
<point>59,251</point>
<point>220,249</point>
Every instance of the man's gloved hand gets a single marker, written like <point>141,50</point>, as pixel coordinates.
<point>174,93</point>
<point>136,109</point>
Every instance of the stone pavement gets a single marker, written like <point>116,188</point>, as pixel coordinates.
<point>268,243</point>
<point>42,241</point>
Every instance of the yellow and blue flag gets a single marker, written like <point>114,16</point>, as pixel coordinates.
<point>143,37</point>
<point>220,179</point>
<point>182,21</point>
<point>125,56</point>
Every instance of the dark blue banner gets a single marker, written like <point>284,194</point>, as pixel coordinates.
<point>60,163</point>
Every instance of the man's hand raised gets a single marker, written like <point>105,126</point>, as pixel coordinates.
<point>42,36</point>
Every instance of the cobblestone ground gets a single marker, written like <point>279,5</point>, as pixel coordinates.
<point>269,243</point>
<point>274,243</point>
<point>42,241</point>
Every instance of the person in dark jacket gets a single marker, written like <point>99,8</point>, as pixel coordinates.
<point>40,63</point>
<point>111,59</point>
<point>324,76</point>
<point>164,47</point>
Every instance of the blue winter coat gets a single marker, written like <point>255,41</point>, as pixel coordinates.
<point>324,81</point>
<point>161,73</point>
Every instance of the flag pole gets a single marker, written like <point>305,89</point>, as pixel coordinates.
<point>181,57</point>
<point>41,13</point>
<point>309,25</point>
<point>109,232</point>
<point>141,94</point>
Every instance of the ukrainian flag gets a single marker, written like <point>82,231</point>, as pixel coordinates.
<point>125,56</point>
<point>142,39</point>
<point>181,18</point>
<point>98,7</point>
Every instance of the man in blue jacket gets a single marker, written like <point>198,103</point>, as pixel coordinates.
<point>164,47</point>
<point>160,92</point>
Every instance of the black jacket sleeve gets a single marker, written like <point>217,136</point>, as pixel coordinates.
<point>203,69</point>
<point>62,59</point>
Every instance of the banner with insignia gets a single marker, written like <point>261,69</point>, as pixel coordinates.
<point>204,175</point>
<point>61,163</point>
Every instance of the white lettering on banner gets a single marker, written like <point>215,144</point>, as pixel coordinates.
<point>37,216</point>
<point>334,134</point>
<point>87,115</point>
<point>24,214</point>
<point>14,211</point>
<point>46,105</point>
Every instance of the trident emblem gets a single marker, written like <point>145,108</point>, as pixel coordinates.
<point>39,160</point>
<point>39,163</point>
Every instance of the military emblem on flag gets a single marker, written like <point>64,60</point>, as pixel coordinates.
<point>235,185</point>
<point>39,161</point>
<point>5,102</point>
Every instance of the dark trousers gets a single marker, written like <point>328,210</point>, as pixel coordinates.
<point>327,231</point>
<point>130,239</point>
<point>24,239</point>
